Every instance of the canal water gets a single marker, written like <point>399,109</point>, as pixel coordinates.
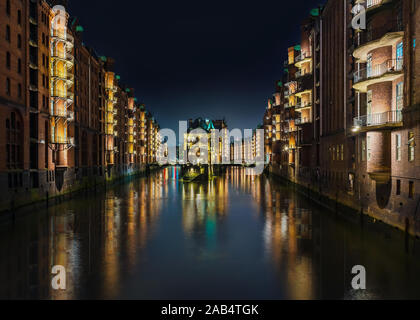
<point>236,237</point>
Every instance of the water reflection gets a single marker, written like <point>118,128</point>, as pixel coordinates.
<point>239,237</point>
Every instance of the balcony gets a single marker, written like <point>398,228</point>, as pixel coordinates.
<point>63,140</point>
<point>63,76</point>
<point>303,58</point>
<point>301,106</point>
<point>386,35</point>
<point>373,3</point>
<point>387,71</point>
<point>62,94</point>
<point>378,121</point>
<point>63,113</point>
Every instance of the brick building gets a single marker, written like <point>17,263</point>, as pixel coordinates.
<point>68,122</point>
<point>351,110</point>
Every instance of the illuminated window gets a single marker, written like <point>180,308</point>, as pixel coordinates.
<point>398,147</point>
<point>411,147</point>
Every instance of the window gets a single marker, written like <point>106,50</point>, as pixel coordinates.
<point>8,89</point>
<point>411,190</point>
<point>19,41</point>
<point>411,146</point>
<point>398,147</point>
<point>8,33</point>
<point>399,96</point>
<point>369,149</point>
<point>8,7</point>
<point>363,150</point>
<point>14,142</point>
<point>8,58</point>
<point>369,65</point>
<point>398,187</point>
<point>342,152</point>
<point>400,51</point>
<point>19,19</point>
<point>19,66</point>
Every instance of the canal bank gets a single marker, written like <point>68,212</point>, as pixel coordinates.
<point>74,184</point>
<point>332,201</point>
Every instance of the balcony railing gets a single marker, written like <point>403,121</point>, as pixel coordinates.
<point>372,3</point>
<point>303,105</point>
<point>303,120</point>
<point>303,56</point>
<point>378,70</point>
<point>63,140</point>
<point>378,119</point>
<point>372,34</point>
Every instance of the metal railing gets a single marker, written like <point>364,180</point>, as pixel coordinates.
<point>378,119</point>
<point>393,65</point>
<point>303,120</point>
<point>372,3</point>
<point>62,140</point>
<point>303,105</point>
<point>303,56</point>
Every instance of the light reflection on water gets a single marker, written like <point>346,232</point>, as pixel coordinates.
<point>235,237</point>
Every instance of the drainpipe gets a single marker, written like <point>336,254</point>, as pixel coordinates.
<point>90,94</point>
<point>345,66</point>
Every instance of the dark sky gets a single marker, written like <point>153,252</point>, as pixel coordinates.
<point>187,59</point>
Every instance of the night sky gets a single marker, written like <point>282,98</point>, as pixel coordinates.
<point>185,59</point>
